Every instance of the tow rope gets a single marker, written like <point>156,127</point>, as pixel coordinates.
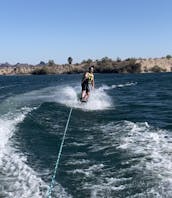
<point>58,158</point>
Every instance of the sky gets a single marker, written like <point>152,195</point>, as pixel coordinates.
<point>40,30</point>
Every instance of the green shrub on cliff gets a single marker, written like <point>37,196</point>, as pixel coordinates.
<point>40,71</point>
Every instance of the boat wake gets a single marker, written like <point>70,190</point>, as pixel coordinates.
<point>17,179</point>
<point>106,87</point>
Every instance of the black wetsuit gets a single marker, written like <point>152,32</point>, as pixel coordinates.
<point>85,86</point>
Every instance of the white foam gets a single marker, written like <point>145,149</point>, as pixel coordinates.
<point>98,99</point>
<point>7,126</point>
<point>67,95</point>
<point>90,171</point>
<point>107,187</point>
<point>21,180</point>
<point>146,153</point>
<point>140,139</point>
<point>78,162</point>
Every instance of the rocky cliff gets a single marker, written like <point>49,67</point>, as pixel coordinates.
<point>102,66</point>
<point>155,65</point>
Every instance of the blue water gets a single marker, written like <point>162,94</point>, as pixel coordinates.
<point>118,145</point>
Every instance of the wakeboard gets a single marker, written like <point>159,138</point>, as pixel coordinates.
<point>83,100</point>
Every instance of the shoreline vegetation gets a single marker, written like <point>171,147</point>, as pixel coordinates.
<point>104,65</point>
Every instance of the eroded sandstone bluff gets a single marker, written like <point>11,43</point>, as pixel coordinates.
<point>105,65</point>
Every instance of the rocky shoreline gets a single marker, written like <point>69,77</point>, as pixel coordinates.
<point>105,65</point>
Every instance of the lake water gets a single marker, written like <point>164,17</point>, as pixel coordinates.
<point>118,145</point>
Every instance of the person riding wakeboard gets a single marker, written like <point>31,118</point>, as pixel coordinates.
<point>87,84</point>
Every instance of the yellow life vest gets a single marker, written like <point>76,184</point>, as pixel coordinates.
<point>90,77</point>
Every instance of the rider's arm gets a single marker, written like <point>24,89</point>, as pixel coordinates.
<point>85,77</point>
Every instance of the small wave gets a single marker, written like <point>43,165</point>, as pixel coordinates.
<point>78,162</point>
<point>89,172</point>
<point>7,126</point>
<point>19,179</point>
<point>22,181</point>
<point>8,86</point>
<point>106,87</point>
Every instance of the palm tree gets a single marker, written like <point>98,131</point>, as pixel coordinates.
<point>70,60</point>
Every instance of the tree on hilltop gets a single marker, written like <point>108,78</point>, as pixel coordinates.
<point>118,59</point>
<point>70,60</point>
<point>42,63</point>
<point>51,63</point>
<point>106,59</point>
<point>88,61</point>
<point>168,56</point>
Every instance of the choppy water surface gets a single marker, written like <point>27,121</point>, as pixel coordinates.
<point>118,145</point>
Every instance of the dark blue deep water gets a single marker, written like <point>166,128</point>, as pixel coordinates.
<point>118,145</point>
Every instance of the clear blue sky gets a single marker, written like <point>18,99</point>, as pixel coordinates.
<point>35,30</point>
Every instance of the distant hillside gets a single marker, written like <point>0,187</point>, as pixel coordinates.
<point>105,65</point>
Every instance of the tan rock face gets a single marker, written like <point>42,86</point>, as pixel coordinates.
<point>163,63</point>
<point>16,70</point>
